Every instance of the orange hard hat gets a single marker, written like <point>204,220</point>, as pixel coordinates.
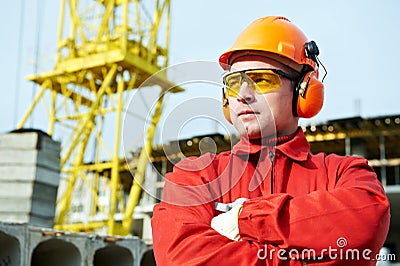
<point>275,35</point>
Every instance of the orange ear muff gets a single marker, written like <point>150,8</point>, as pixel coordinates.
<point>225,107</point>
<point>309,96</point>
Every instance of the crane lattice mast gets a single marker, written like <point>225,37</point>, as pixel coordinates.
<point>111,48</point>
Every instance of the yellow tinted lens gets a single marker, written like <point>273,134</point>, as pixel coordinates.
<point>264,80</point>
<point>233,82</point>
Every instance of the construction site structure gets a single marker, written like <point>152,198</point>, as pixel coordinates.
<point>104,51</point>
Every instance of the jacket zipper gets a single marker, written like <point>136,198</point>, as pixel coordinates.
<point>271,158</point>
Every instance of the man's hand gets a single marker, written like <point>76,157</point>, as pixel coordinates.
<point>227,223</point>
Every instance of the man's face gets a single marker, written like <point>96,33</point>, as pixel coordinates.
<point>256,115</point>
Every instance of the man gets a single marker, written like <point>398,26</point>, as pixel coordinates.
<point>270,201</point>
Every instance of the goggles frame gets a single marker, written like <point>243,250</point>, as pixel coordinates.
<point>245,78</point>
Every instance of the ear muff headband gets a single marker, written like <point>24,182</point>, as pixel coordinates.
<point>308,96</point>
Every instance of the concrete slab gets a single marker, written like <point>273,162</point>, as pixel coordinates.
<point>24,205</point>
<point>28,218</point>
<point>30,172</point>
<point>29,157</point>
<point>29,141</point>
<point>50,247</point>
<point>22,244</point>
<point>30,190</point>
<point>115,250</point>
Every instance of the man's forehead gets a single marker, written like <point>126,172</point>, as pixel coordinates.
<point>266,57</point>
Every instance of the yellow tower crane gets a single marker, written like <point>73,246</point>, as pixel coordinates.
<point>112,47</point>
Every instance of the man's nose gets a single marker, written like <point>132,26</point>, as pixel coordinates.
<point>246,93</point>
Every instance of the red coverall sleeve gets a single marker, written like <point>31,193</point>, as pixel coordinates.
<point>182,235</point>
<point>355,208</point>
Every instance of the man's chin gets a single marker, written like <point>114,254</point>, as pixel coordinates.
<point>252,130</point>
<point>258,134</point>
<point>253,136</point>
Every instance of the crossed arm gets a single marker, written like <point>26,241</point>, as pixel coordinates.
<point>356,209</point>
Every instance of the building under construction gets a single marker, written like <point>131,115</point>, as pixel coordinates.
<point>85,201</point>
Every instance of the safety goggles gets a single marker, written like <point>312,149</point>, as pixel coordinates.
<point>260,80</point>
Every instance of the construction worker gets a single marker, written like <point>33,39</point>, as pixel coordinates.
<point>269,201</point>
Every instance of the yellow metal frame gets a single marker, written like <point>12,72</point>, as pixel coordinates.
<point>97,63</point>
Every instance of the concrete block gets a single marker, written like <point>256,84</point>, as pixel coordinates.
<point>44,222</point>
<point>29,158</point>
<point>49,247</point>
<point>29,218</point>
<point>31,173</point>
<point>25,205</point>
<point>34,140</point>
<point>35,190</point>
<point>116,251</point>
<point>29,177</point>
<point>13,244</point>
<point>22,199</point>
<point>22,244</point>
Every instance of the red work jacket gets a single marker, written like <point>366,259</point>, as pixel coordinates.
<point>302,208</point>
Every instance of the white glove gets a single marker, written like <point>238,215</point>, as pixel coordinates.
<point>227,223</point>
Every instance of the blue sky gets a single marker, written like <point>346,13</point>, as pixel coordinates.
<point>358,41</point>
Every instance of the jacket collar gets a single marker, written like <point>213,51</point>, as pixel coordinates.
<point>294,146</point>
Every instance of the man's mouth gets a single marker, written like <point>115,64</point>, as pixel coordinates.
<point>247,113</point>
